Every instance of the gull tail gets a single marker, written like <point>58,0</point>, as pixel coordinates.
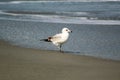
<point>46,40</point>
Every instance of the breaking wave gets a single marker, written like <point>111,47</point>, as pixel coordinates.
<point>56,17</point>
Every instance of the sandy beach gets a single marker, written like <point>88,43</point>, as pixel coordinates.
<point>18,63</point>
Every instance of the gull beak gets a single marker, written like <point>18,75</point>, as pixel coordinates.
<point>70,31</point>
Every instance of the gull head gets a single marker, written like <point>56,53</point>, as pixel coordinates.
<point>66,30</point>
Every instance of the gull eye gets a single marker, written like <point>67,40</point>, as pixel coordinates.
<point>66,30</point>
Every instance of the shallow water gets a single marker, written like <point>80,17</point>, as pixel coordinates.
<point>95,26</point>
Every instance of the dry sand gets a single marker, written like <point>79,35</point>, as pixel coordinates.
<point>18,63</point>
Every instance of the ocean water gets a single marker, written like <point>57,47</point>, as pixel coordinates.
<point>95,25</point>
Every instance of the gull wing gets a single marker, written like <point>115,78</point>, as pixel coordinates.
<point>56,38</point>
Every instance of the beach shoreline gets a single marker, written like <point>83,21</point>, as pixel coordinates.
<point>18,63</point>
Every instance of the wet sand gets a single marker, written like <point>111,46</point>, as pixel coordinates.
<point>17,63</point>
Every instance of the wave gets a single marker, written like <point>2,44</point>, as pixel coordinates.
<point>7,13</point>
<point>83,20</point>
<point>16,2</point>
<point>19,2</point>
<point>56,17</point>
<point>87,15</point>
<point>72,14</point>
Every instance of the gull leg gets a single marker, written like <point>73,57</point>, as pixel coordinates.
<point>61,49</point>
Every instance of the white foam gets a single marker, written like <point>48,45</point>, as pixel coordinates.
<point>16,2</point>
<point>58,19</point>
<point>68,21</point>
<point>73,20</point>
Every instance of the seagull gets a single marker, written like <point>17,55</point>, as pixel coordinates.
<point>59,39</point>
